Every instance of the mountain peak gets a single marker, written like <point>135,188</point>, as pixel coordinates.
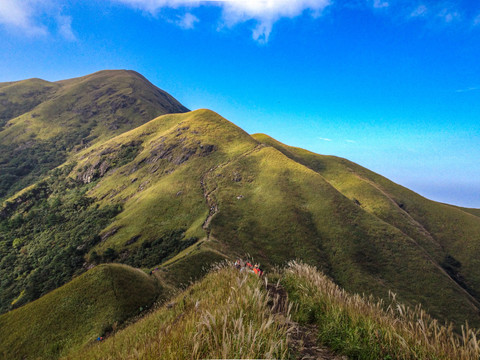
<point>41,121</point>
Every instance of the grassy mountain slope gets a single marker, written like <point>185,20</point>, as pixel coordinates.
<point>185,190</point>
<point>17,98</point>
<point>448,234</point>
<point>199,185</point>
<point>226,315</point>
<point>475,212</point>
<point>290,211</point>
<point>42,122</point>
<point>164,179</point>
<point>233,314</point>
<point>77,313</point>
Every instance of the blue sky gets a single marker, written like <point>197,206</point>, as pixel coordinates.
<point>393,85</point>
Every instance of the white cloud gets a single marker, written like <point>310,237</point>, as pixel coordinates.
<point>65,27</point>
<point>379,4</point>
<point>421,10</point>
<point>351,141</point>
<point>19,14</point>
<point>473,88</point>
<point>187,21</point>
<point>476,21</point>
<point>448,15</point>
<point>265,12</point>
<point>31,16</point>
<point>324,139</point>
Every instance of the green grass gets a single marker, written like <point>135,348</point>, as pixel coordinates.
<point>475,212</point>
<point>439,231</point>
<point>163,194</point>
<point>17,98</point>
<point>365,328</point>
<point>229,314</point>
<point>277,203</point>
<point>226,315</point>
<point>41,123</point>
<point>77,313</point>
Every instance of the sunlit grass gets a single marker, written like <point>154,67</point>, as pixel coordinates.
<point>226,315</point>
<point>364,328</point>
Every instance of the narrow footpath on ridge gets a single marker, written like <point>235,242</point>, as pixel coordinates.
<point>208,194</point>
<point>303,338</point>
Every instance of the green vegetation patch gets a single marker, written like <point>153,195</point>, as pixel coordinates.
<point>191,267</point>
<point>23,165</point>
<point>44,234</point>
<point>149,253</point>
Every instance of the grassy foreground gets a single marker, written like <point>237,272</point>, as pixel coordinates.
<point>363,328</point>
<point>226,315</point>
<point>229,315</point>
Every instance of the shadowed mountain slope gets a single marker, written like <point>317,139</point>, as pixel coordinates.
<point>41,122</point>
<point>77,313</point>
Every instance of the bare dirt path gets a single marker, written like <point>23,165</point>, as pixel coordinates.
<point>303,338</point>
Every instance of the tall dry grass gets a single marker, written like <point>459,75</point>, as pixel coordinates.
<point>226,315</point>
<point>365,328</point>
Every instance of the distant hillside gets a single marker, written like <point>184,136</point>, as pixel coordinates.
<point>41,122</point>
<point>475,212</point>
<point>185,190</point>
<point>76,314</point>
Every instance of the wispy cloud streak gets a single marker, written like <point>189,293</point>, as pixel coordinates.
<point>379,4</point>
<point>20,15</point>
<point>420,11</point>
<point>264,12</point>
<point>187,21</point>
<point>65,27</point>
<point>472,88</point>
<point>476,21</point>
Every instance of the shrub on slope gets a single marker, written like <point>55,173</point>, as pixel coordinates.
<point>45,232</point>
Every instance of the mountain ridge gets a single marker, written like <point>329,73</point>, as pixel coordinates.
<point>181,191</point>
<point>42,122</point>
<point>210,180</point>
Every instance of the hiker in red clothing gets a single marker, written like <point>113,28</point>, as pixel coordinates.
<point>247,266</point>
<point>257,270</point>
